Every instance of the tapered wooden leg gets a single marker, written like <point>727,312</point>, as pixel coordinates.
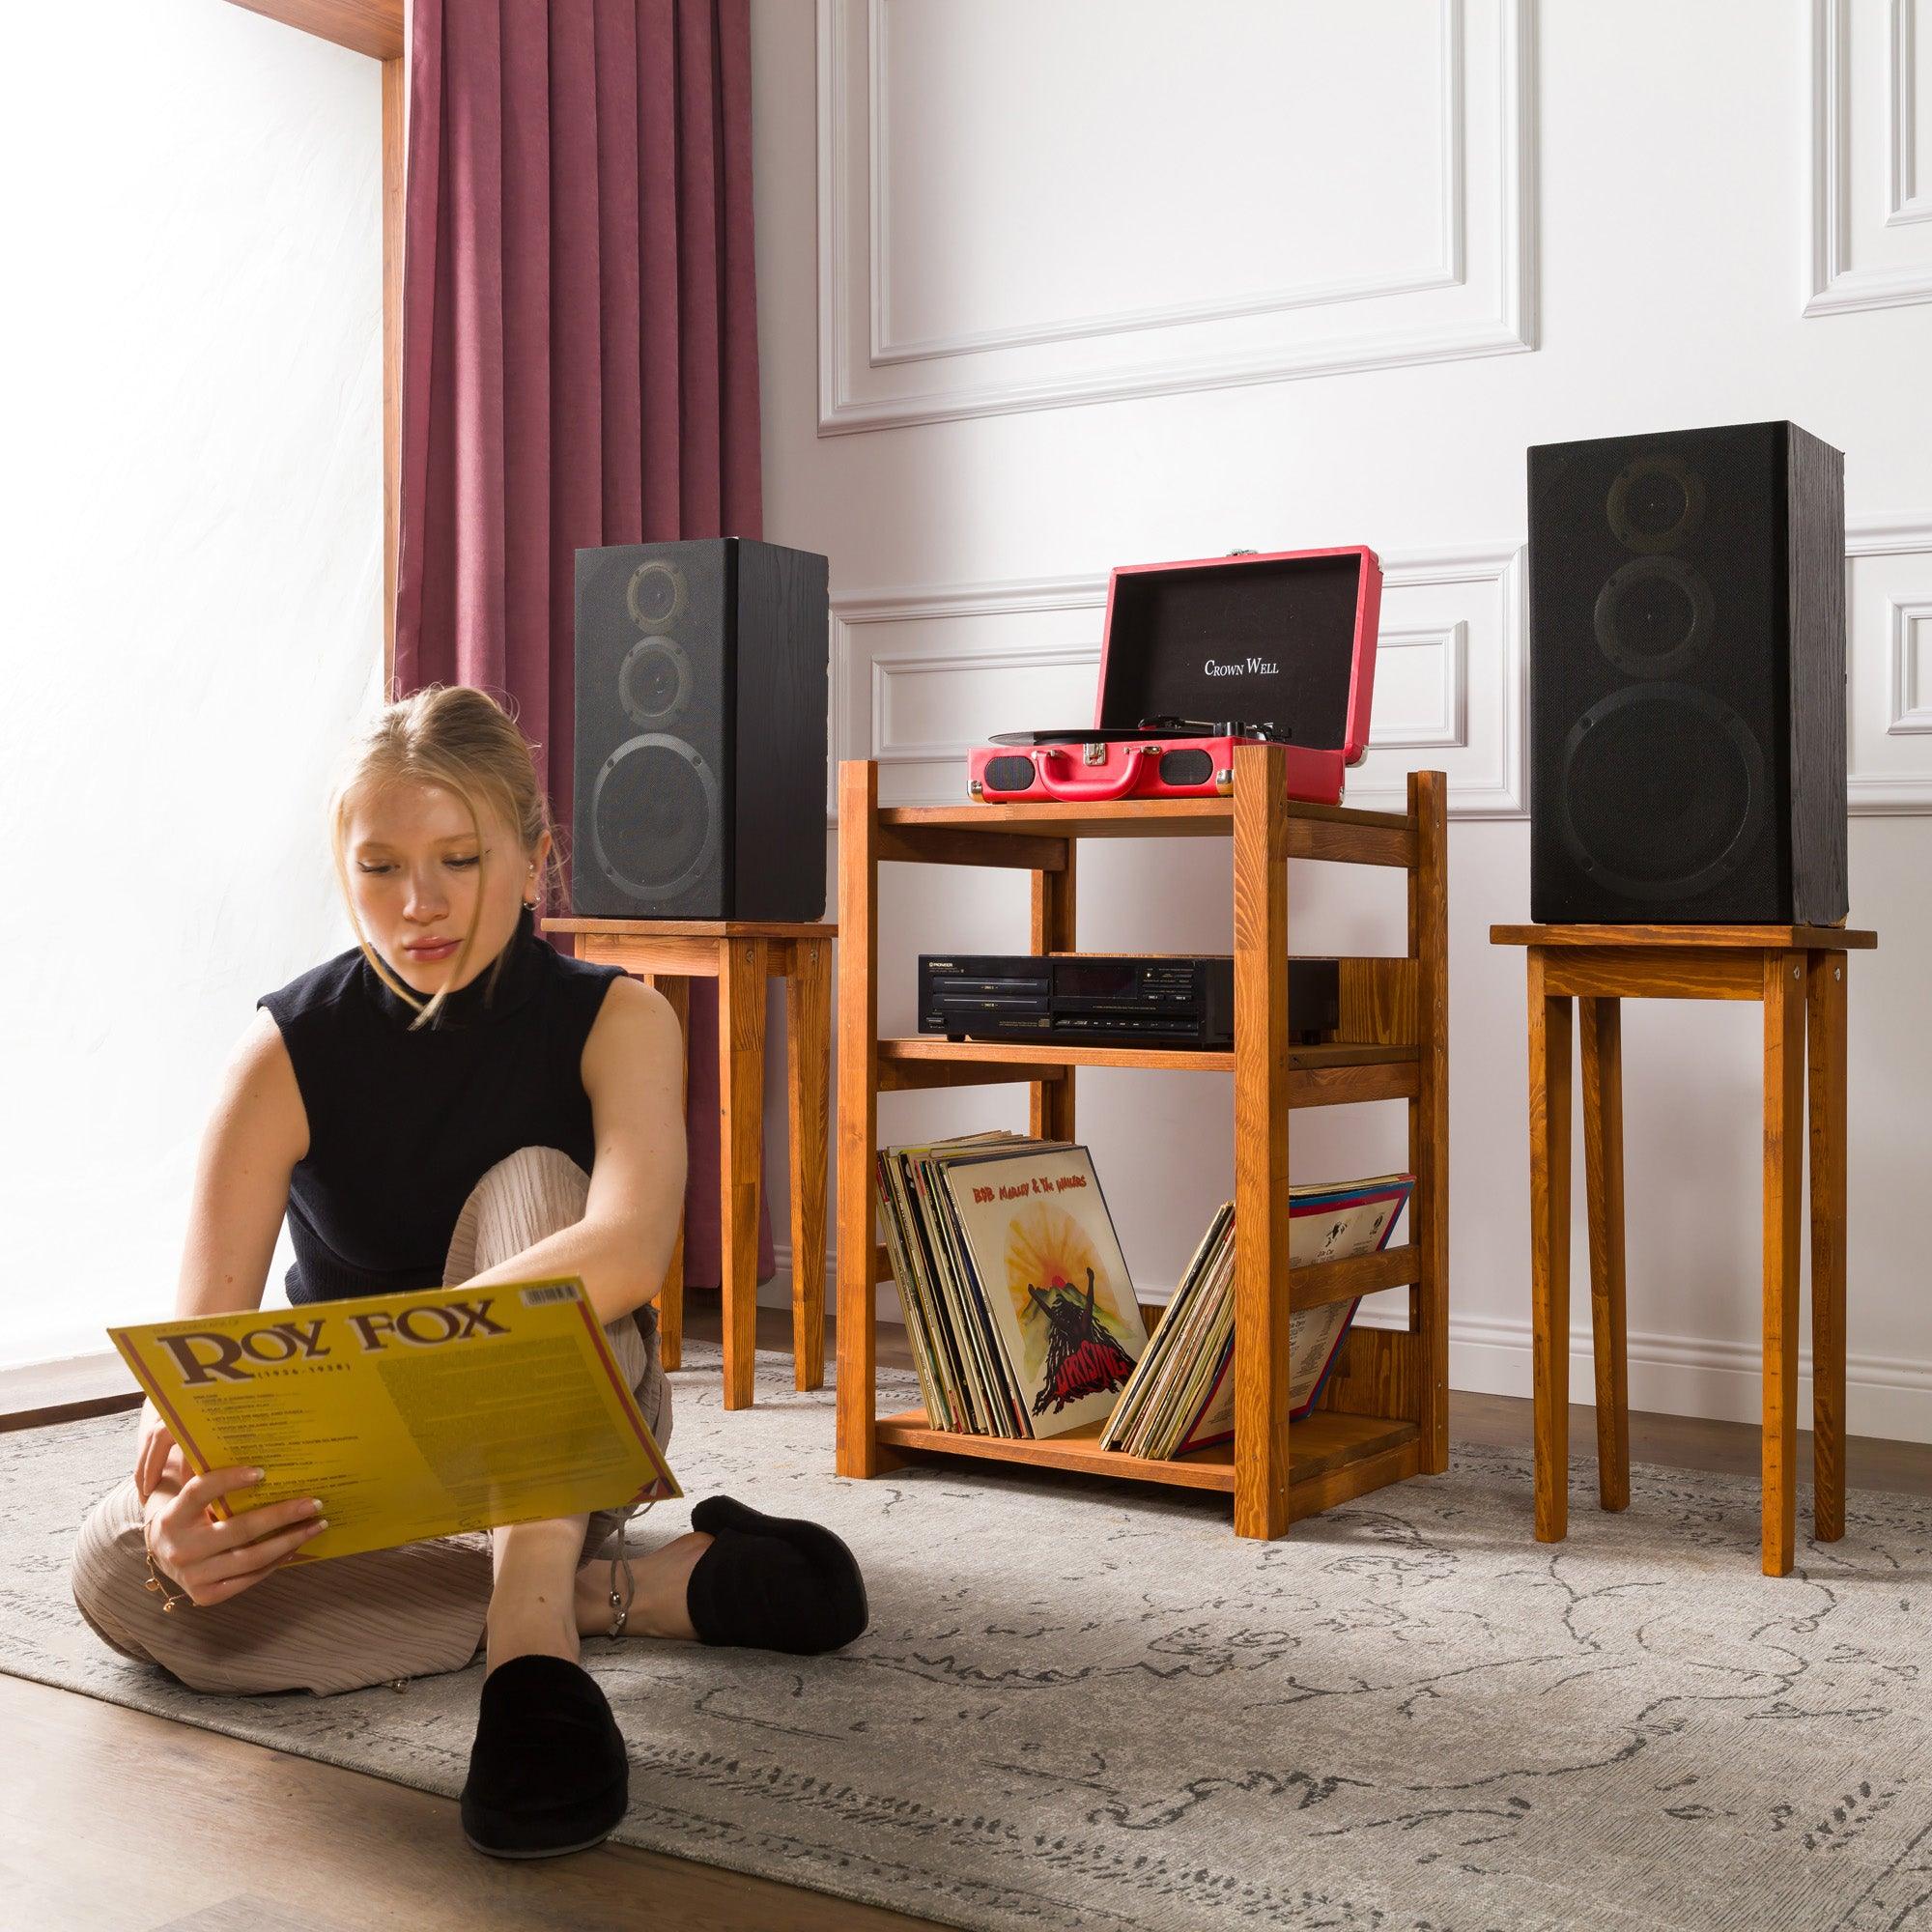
<point>857,1441</point>
<point>1825,1011</point>
<point>1599,1029</point>
<point>808,1078</point>
<point>1550,1249</point>
<point>741,1082</point>
<point>1783,1161</point>
<point>671,1298</point>
<point>1261,1472</point>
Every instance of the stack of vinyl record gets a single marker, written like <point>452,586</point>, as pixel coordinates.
<point>1182,1396</point>
<point>1019,1307</point>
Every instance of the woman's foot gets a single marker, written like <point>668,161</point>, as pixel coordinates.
<point>772,1583</point>
<point>548,1771</point>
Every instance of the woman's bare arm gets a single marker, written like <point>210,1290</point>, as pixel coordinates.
<point>256,1132</point>
<point>632,1071</point>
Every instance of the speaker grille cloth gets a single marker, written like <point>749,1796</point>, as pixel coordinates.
<point>1663,792</point>
<point>656,816</point>
<point>1010,774</point>
<point>1180,768</point>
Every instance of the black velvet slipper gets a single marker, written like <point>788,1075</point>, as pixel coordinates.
<point>548,1772</point>
<point>772,1583</point>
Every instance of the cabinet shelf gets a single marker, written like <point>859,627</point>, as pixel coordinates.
<point>1382,1414</point>
<point>1321,1447</point>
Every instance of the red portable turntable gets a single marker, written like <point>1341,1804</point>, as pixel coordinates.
<point>1275,647</point>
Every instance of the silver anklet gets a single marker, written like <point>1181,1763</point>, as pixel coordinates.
<point>620,1603</point>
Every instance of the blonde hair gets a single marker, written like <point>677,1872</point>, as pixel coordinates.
<point>464,742</point>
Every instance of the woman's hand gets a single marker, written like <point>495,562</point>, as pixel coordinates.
<point>213,1559</point>
<point>158,1463</point>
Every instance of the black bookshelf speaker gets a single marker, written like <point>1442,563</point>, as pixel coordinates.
<point>1686,659</point>
<point>700,732</point>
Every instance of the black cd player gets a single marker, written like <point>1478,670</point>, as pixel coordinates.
<point>1089,999</point>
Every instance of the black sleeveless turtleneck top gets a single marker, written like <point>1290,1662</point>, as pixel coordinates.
<point>401,1125</point>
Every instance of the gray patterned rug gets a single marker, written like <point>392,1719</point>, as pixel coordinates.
<point>1090,1707</point>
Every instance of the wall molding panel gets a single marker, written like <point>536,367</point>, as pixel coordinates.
<point>1888,632</point>
<point>1906,202</point>
<point>1911,640</point>
<point>1472,294</point>
<point>1837,284</point>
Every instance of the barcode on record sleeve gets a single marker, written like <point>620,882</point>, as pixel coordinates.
<point>556,1290</point>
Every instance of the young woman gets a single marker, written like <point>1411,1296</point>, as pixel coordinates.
<point>449,1102</point>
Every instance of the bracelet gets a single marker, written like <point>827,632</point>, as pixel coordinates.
<point>158,1582</point>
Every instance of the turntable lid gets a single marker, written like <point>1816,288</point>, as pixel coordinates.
<point>1286,638</point>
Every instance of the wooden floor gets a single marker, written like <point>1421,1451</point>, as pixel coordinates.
<point>112,1819</point>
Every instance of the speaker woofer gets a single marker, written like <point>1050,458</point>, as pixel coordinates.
<point>1654,616</point>
<point>656,594</point>
<point>654,681</point>
<point>1661,792</point>
<point>654,816</point>
<point>1656,503</point>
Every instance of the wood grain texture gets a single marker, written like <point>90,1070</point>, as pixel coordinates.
<point>350,1853</point>
<point>395,109</point>
<point>1320,1283</point>
<point>1378,1373</point>
<point>741,1122</point>
<point>1550,1249</point>
<point>1319,1059</point>
<point>1077,1452</point>
<point>1376,1003</point>
<point>1813,529</point>
<point>38,1395</point>
<point>1827,991</point>
<point>1052,927</point>
<point>636,930</point>
<point>1783,1159</point>
<point>1358,1475</point>
<point>808,1085</point>
<point>1429,1110</point>
<point>1261,1143</point>
<point>950,845</point>
<point>1747,938</point>
<point>671,1298</point>
<point>372,27</point>
<point>1325,1445</point>
<point>1350,844</point>
<point>1600,1031</point>
<point>1655,972</point>
<point>1134,817</point>
<point>911,1075</point>
<point>858,1452</point>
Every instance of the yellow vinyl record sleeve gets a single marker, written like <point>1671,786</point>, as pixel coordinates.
<point>409,1415</point>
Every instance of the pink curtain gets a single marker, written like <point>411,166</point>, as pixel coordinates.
<point>579,357</point>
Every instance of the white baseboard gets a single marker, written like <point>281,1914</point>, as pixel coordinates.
<point>1669,1375</point>
<point>1675,1375</point>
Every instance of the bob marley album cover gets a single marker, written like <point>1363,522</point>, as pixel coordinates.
<point>1039,1256</point>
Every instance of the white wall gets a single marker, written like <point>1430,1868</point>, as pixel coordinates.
<point>1047,285</point>
<point>190,499</point>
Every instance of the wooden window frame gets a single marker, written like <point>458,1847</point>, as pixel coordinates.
<point>379,29</point>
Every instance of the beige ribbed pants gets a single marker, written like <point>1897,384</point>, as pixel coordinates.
<point>388,1613</point>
